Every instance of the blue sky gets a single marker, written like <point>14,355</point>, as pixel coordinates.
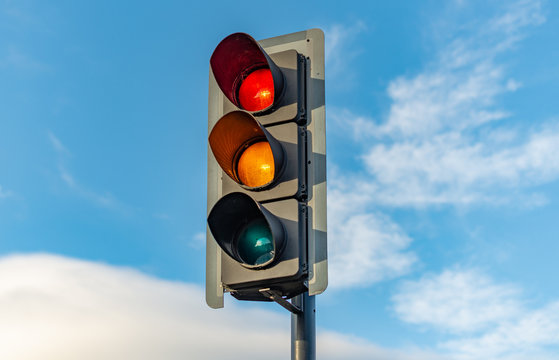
<point>443,191</point>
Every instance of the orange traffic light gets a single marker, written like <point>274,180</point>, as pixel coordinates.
<point>255,167</point>
<point>246,151</point>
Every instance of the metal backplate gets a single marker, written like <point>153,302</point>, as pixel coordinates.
<point>310,44</point>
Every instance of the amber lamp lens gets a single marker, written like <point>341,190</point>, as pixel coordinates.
<point>257,90</point>
<point>256,165</point>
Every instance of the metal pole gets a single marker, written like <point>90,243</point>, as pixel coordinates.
<point>303,334</point>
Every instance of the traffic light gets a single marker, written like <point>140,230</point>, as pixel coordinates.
<point>266,234</point>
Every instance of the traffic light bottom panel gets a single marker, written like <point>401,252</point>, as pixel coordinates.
<point>288,274</point>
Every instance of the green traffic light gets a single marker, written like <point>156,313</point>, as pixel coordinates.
<point>255,244</point>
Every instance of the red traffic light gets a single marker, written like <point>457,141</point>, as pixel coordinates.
<point>245,73</point>
<point>257,90</point>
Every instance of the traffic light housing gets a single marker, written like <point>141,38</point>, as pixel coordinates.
<point>266,168</point>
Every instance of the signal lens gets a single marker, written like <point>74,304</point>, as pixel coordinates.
<point>257,90</point>
<point>255,245</point>
<point>256,165</point>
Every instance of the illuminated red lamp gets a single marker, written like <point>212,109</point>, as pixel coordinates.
<point>246,74</point>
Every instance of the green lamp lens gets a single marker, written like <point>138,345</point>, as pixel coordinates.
<point>256,245</point>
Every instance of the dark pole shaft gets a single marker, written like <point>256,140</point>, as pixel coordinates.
<point>303,335</point>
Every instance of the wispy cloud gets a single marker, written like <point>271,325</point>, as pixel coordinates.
<point>365,246</point>
<point>340,49</point>
<point>460,88</point>
<point>457,169</point>
<point>106,199</point>
<point>57,144</point>
<point>458,301</point>
<point>444,139</point>
<point>486,320</point>
<point>526,337</point>
<point>198,240</point>
<point>60,308</point>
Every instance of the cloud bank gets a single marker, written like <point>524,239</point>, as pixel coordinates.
<point>57,308</point>
<point>483,319</point>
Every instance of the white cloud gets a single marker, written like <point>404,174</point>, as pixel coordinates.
<point>364,246</point>
<point>487,320</point>
<point>460,89</point>
<point>453,168</point>
<point>198,240</point>
<point>362,127</point>
<point>332,345</point>
<point>106,199</point>
<point>59,308</point>
<point>340,49</point>
<point>524,338</point>
<point>444,99</point>
<point>444,139</point>
<point>337,36</point>
<point>456,301</point>
<point>367,248</point>
<point>520,14</point>
<point>57,144</point>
